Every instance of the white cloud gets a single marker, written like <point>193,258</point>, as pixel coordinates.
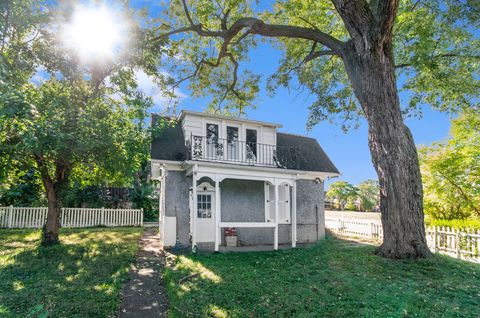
<point>147,85</point>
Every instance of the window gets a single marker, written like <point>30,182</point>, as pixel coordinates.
<point>204,206</point>
<point>232,143</point>
<point>284,196</point>
<point>212,140</point>
<point>251,144</point>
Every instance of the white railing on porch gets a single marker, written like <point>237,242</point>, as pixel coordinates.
<point>462,244</point>
<point>34,217</point>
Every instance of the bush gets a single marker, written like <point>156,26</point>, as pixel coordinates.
<point>457,224</point>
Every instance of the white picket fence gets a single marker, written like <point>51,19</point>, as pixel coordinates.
<point>462,244</point>
<point>22,217</point>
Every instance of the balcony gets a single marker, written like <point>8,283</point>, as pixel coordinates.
<point>241,152</point>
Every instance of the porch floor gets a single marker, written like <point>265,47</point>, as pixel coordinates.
<point>247,248</point>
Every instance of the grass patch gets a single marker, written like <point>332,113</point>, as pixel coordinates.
<point>330,279</point>
<point>82,277</point>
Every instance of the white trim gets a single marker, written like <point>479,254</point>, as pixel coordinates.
<point>275,232</point>
<point>194,210</point>
<point>169,164</point>
<point>233,119</point>
<point>294,215</point>
<point>246,224</point>
<point>218,214</point>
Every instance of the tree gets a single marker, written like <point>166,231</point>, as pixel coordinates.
<point>451,171</point>
<point>80,117</point>
<point>369,195</point>
<point>342,192</point>
<point>349,55</point>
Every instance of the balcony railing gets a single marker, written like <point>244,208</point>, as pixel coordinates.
<point>241,152</point>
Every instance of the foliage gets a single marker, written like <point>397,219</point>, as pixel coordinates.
<point>26,190</point>
<point>80,278</point>
<point>84,120</point>
<point>435,46</point>
<point>341,192</point>
<point>329,279</point>
<point>451,171</point>
<point>455,223</point>
<point>368,195</point>
<point>144,195</point>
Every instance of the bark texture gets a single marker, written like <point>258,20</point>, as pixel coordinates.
<point>393,151</point>
<point>54,187</point>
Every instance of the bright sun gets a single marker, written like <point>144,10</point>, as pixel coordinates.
<point>94,32</point>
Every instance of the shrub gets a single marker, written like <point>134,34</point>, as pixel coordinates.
<point>457,223</point>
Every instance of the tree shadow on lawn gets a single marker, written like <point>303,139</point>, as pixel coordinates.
<point>329,279</point>
<point>81,277</point>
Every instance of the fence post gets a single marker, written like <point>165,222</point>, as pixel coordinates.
<point>457,241</point>
<point>435,250</point>
<point>371,229</point>
<point>10,216</point>
<point>141,217</point>
<point>102,220</point>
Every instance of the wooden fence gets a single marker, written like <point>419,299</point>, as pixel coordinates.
<point>20,217</point>
<point>462,244</point>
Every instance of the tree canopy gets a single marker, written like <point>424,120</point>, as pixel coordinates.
<point>436,50</point>
<point>451,171</point>
<point>83,120</point>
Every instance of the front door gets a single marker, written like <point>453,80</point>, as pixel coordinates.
<point>205,231</point>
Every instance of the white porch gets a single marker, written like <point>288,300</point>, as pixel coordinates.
<point>280,206</point>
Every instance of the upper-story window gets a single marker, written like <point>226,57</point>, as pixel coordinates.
<point>232,143</point>
<point>251,144</point>
<point>212,140</point>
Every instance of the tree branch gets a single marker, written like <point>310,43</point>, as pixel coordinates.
<point>439,56</point>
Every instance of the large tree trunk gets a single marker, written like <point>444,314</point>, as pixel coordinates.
<point>54,187</point>
<point>393,151</point>
<point>51,227</point>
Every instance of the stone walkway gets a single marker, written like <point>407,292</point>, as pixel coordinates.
<point>144,294</point>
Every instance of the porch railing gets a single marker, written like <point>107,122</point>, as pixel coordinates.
<point>242,152</point>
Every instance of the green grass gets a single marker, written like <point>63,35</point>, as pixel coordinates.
<point>330,279</point>
<point>82,277</point>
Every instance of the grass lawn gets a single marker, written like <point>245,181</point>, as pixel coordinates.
<point>82,277</point>
<point>330,279</point>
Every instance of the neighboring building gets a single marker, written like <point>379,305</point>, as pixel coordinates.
<point>219,172</point>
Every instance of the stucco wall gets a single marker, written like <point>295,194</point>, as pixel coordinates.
<point>176,202</point>
<point>244,201</point>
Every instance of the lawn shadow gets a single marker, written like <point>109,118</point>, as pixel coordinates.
<point>340,278</point>
<point>67,280</point>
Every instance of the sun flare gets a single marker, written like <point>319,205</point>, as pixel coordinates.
<point>94,32</point>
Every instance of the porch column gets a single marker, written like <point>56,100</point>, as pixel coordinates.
<point>194,210</point>
<point>275,237</point>
<point>218,214</point>
<point>294,214</point>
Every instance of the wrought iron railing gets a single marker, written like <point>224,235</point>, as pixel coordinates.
<point>242,152</point>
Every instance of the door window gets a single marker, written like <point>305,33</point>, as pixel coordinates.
<point>204,206</point>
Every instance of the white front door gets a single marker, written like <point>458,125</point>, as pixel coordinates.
<point>205,229</point>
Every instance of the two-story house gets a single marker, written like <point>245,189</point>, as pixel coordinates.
<point>219,172</point>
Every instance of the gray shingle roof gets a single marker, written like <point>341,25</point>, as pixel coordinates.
<point>311,156</point>
<point>170,145</point>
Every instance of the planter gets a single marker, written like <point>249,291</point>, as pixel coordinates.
<point>231,241</point>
